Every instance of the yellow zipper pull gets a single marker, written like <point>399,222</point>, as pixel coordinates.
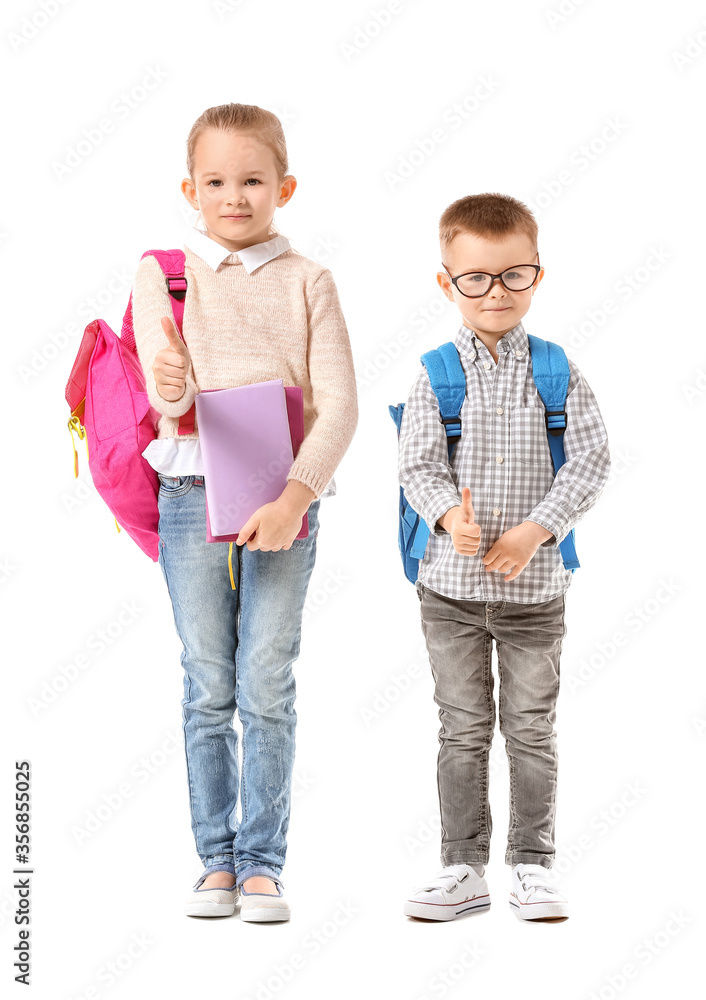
<point>75,425</point>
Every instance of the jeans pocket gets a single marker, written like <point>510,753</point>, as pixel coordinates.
<point>174,486</point>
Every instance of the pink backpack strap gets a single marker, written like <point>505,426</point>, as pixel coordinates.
<point>172,263</point>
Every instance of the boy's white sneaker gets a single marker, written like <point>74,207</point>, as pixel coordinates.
<point>454,890</point>
<point>211,902</point>
<point>533,898</point>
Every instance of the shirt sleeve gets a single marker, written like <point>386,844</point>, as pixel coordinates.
<point>424,471</point>
<point>150,302</point>
<point>333,387</point>
<point>580,481</point>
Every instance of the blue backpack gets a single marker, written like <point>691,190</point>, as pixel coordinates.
<point>550,370</point>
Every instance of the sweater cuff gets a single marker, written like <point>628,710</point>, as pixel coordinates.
<point>314,480</point>
<point>177,407</point>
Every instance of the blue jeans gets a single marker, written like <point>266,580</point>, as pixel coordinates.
<point>239,647</point>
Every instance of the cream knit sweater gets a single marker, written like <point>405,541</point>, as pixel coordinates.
<point>282,321</point>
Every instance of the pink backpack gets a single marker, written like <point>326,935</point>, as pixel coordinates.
<point>111,410</point>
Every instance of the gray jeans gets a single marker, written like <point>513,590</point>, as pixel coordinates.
<point>528,637</point>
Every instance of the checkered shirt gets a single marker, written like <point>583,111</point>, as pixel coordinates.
<point>503,456</point>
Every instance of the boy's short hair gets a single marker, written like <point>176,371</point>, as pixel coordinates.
<point>490,216</point>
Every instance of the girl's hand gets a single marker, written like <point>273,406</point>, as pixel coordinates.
<point>171,364</point>
<point>273,526</point>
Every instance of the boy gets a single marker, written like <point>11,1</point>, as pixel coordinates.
<point>492,567</point>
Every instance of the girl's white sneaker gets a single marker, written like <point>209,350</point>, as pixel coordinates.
<point>533,898</point>
<point>211,902</point>
<point>260,906</point>
<point>454,890</point>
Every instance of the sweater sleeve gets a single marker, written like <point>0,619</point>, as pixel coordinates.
<point>333,385</point>
<point>150,302</point>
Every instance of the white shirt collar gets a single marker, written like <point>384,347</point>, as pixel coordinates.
<point>214,253</point>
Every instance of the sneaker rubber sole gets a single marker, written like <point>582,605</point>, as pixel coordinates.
<point>445,911</point>
<point>220,904</point>
<point>260,914</point>
<point>547,912</point>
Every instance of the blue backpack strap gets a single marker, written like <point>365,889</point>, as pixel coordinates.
<point>413,532</point>
<point>448,381</point>
<point>550,370</point>
<point>449,384</point>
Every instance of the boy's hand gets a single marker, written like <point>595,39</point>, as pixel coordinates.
<point>465,533</point>
<point>171,364</point>
<point>515,548</point>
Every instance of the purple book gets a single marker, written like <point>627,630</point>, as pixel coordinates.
<point>249,437</point>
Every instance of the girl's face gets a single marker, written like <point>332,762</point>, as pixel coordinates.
<point>236,187</point>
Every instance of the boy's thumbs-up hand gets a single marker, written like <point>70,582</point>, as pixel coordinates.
<point>465,533</point>
<point>171,364</point>
<point>466,509</point>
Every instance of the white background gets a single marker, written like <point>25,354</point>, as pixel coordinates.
<point>594,118</point>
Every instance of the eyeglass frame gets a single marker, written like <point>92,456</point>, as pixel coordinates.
<point>537,267</point>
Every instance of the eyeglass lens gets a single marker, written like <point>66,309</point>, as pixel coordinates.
<point>478,283</point>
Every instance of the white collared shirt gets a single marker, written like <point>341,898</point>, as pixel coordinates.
<point>173,456</point>
<point>214,253</point>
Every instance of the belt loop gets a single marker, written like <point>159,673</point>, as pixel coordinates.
<point>230,565</point>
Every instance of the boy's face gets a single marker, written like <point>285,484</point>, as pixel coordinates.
<point>236,187</point>
<point>498,311</point>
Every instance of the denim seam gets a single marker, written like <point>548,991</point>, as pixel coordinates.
<point>243,742</point>
<point>187,695</point>
<point>511,762</point>
<point>438,756</point>
<point>484,813</point>
<point>186,754</point>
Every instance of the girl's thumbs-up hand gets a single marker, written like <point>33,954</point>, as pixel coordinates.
<point>171,364</point>
<point>465,533</point>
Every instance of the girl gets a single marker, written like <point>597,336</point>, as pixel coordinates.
<point>255,310</point>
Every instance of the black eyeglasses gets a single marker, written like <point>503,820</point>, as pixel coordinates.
<point>474,284</point>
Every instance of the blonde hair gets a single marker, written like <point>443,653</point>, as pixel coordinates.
<point>263,124</point>
<point>489,216</point>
